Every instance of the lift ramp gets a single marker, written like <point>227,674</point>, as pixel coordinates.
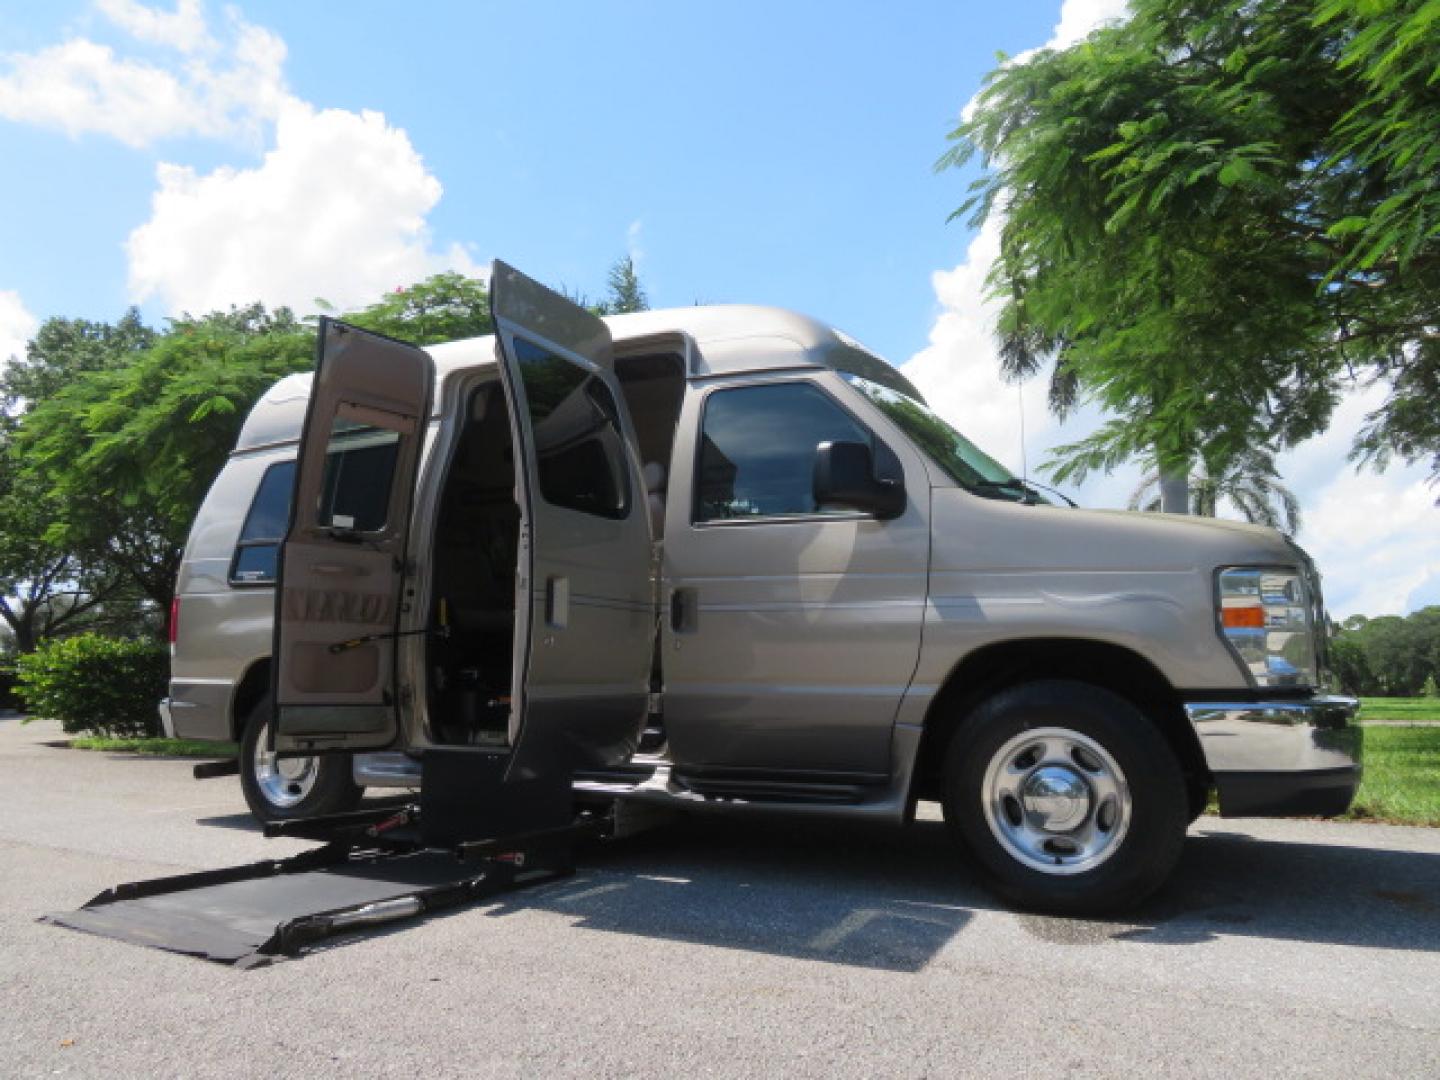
<point>382,865</point>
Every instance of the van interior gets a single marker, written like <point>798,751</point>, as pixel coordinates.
<point>470,650</point>
<point>472,616</point>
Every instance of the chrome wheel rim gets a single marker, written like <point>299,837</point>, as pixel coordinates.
<point>1056,801</point>
<point>284,782</point>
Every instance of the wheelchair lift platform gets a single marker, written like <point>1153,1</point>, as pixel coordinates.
<point>397,860</point>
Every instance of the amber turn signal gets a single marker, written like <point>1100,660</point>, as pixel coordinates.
<point>1243,617</point>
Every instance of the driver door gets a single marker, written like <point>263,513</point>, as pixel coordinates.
<point>585,618</point>
<point>342,564</point>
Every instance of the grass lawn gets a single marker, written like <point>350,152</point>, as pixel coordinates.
<point>1402,777</point>
<point>1409,710</point>
<point>156,747</point>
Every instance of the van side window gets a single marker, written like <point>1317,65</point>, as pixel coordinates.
<point>579,449</point>
<point>264,527</point>
<point>757,450</point>
<point>359,467</point>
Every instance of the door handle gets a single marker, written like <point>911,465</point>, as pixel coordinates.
<point>684,610</point>
<point>557,602</point>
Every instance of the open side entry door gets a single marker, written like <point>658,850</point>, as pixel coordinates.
<point>585,619</point>
<point>342,566</point>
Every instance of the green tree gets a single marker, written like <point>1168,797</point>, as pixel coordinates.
<point>624,291</point>
<point>128,452</point>
<point>1214,214</point>
<point>1250,482</point>
<point>1387,225</point>
<point>1389,654</point>
<point>46,588</point>
<point>64,350</point>
<point>445,307</point>
<point>112,435</point>
<point>1351,667</point>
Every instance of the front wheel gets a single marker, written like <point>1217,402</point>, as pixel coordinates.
<point>281,789</point>
<point>1067,796</point>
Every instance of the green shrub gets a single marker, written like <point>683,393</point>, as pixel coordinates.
<point>96,684</point>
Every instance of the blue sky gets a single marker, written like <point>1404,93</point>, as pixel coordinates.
<point>748,151</point>
<point>189,155</point>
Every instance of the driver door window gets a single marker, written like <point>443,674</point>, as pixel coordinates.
<point>757,451</point>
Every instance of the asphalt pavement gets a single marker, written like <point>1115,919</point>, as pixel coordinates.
<point>701,949</point>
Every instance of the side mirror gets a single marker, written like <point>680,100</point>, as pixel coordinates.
<point>845,476</point>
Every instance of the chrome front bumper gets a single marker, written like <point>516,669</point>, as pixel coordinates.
<point>1281,758</point>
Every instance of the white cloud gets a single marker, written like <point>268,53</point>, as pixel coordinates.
<point>83,87</point>
<point>17,326</point>
<point>336,209</point>
<point>1079,17</point>
<point>183,29</point>
<point>959,370</point>
<point>1372,535</point>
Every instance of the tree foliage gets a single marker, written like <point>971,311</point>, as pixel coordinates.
<point>445,307</point>
<point>128,451</point>
<point>1216,216</point>
<point>46,587</point>
<point>111,434</point>
<point>624,291</point>
<point>1250,483</point>
<point>96,685</point>
<point>64,350</point>
<point>1388,655</point>
<point>45,590</point>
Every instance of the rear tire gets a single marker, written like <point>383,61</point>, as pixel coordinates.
<point>1198,795</point>
<point>1070,800</point>
<point>286,788</point>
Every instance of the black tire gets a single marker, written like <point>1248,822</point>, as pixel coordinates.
<point>1198,796</point>
<point>1134,858</point>
<point>330,790</point>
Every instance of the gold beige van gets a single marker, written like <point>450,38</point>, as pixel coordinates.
<point>726,559</point>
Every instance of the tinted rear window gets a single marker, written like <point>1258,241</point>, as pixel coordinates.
<point>264,527</point>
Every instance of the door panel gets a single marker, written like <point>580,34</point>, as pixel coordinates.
<point>791,633</point>
<point>584,638</point>
<point>341,566</point>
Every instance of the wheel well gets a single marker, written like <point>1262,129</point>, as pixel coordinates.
<point>253,688</point>
<point>989,670</point>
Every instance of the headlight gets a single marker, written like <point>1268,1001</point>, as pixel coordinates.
<point>1265,617</point>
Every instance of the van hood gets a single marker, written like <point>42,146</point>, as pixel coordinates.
<point>974,532</point>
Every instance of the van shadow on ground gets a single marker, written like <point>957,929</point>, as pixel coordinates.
<point>893,899</point>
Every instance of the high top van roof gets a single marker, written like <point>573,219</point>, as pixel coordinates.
<point>729,338</point>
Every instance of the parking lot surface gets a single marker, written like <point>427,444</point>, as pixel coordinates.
<point>701,949</point>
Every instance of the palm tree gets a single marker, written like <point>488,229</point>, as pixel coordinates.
<point>1249,482</point>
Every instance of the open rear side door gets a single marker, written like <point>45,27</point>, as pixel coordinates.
<point>585,620</point>
<point>342,566</point>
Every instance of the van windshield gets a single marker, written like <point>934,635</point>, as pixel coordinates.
<point>962,460</point>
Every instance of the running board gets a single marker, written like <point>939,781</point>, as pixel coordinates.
<point>657,781</point>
